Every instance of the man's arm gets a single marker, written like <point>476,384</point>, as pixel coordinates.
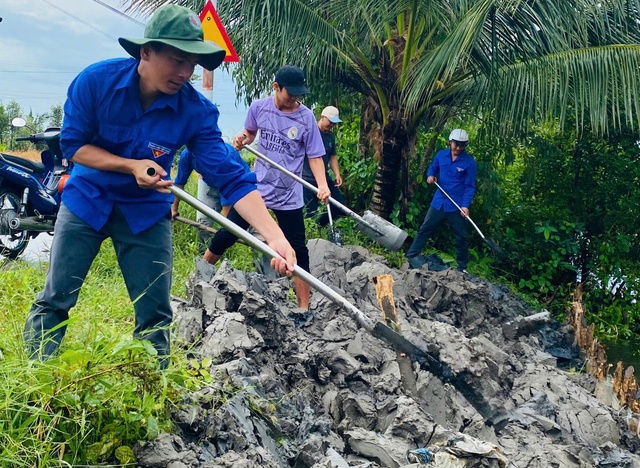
<point>335,167</point>
<point>185,168</point>
<point>433,171</point>
<point>98,158</point>
<point>243,139</point>
<point>469,187</point>
<point>252,208</point>
<point>175,206</point>
<point>320,174</point>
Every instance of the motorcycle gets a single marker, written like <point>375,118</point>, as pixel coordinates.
<point>30,191</point>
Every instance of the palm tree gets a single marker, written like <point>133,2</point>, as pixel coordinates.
<point>421,62</point>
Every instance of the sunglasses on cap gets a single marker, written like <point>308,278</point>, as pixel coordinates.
<point>459,144</point>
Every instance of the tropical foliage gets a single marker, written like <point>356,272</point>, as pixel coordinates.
<point>36,122</point>
<point>415,65</point>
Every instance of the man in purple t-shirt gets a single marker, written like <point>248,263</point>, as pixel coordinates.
<point>288,134</point>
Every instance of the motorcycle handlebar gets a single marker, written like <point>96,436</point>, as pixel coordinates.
<point>39,137</point>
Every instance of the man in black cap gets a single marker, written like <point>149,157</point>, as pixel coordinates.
<point>288,135</point>
<point>123,117</point>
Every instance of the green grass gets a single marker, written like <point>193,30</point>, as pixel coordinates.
<point>104,392</point>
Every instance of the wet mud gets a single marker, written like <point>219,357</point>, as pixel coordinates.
<point>293,389</point>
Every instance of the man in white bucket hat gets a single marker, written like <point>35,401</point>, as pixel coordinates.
<point>329,118</point>
<point>455,171</point>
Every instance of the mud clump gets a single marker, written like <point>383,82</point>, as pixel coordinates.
<point>319,391</point>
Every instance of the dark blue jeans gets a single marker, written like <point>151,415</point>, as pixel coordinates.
<point>145,259</point>
<point>432,221</point>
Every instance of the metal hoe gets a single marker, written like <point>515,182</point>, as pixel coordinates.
<point>377,329</point>
<point>334,235</point>
<point>378,229</point>
<point>489,242</point>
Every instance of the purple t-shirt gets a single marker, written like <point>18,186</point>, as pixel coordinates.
<point>286,138</point>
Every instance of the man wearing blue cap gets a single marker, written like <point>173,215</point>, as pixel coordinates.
<point>122,118</point>
<point>329,118</point>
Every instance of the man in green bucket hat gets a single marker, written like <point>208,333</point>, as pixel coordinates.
<point>124,120</point>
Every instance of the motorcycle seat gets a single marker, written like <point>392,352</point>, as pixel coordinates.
<point>25,164</point>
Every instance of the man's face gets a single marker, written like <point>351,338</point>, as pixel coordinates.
<point>457,147</point>
<point>165,68</point>
<point>325,124</point>
<point>284,101</point>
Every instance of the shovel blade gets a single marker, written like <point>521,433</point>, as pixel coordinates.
<point>493,416</point>
<point>335,237</point>
<point>385,233</point>
<point>416,354</point>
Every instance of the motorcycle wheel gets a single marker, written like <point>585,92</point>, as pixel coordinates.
<point>12,243</point>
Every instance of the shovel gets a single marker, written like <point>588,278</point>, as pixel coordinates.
<point>334,235</point>
<point>493,416</point>
<point>495,247</point>
<point>380,230</point>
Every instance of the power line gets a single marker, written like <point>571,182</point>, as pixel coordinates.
<point>80,20</point>
<point>121,13</point>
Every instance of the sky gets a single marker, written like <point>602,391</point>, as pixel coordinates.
<point>44,44</point>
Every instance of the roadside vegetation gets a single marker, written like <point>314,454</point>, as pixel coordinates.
<point>548,92</point>
<point>552,202</point>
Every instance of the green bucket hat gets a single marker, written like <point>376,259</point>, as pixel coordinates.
<point>178,27</point>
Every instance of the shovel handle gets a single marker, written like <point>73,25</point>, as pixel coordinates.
<point>256,243</point>
<point>377,329</point>
<point>311,187</point>
<point>460,209</point>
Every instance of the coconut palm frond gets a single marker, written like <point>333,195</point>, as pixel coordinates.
<point>599,85</point>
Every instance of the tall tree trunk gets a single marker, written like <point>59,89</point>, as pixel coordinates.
<point>385,186</point>
<point>408,154</point>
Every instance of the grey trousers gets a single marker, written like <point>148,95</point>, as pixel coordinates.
<point>145,260</point>
<point>210,196</point>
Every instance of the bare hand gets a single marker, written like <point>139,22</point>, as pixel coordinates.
<point>287,257</point>
<point>324,193</point>
<point>238,141</point>
<point>431,180</point>
<point>464,212</point>
<point>174,211</point>
<point>338,181</point>
<point>149,175</point>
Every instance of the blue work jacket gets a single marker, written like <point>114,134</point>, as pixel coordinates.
<point>457,178</point>
<point>103,109</point>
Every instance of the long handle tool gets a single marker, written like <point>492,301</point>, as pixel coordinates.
<point>495,247</point>
<point>334,235</point>
<point>380,230</point>
<point>379,330</point>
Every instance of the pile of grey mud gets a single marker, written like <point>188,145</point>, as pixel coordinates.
<point>299,390</point>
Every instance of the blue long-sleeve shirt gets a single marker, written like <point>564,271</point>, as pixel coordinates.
<point>457,178</point>
<point>103,109</point>
<point>186,165</point>
<point>187,161</point>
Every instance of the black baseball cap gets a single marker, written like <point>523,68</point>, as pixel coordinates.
<point>292,78</point>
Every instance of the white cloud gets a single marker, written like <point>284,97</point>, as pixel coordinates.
<point>42,50</point>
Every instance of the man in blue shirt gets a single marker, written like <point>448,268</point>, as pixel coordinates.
<point>123,117</point>
<point>455,171</point>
